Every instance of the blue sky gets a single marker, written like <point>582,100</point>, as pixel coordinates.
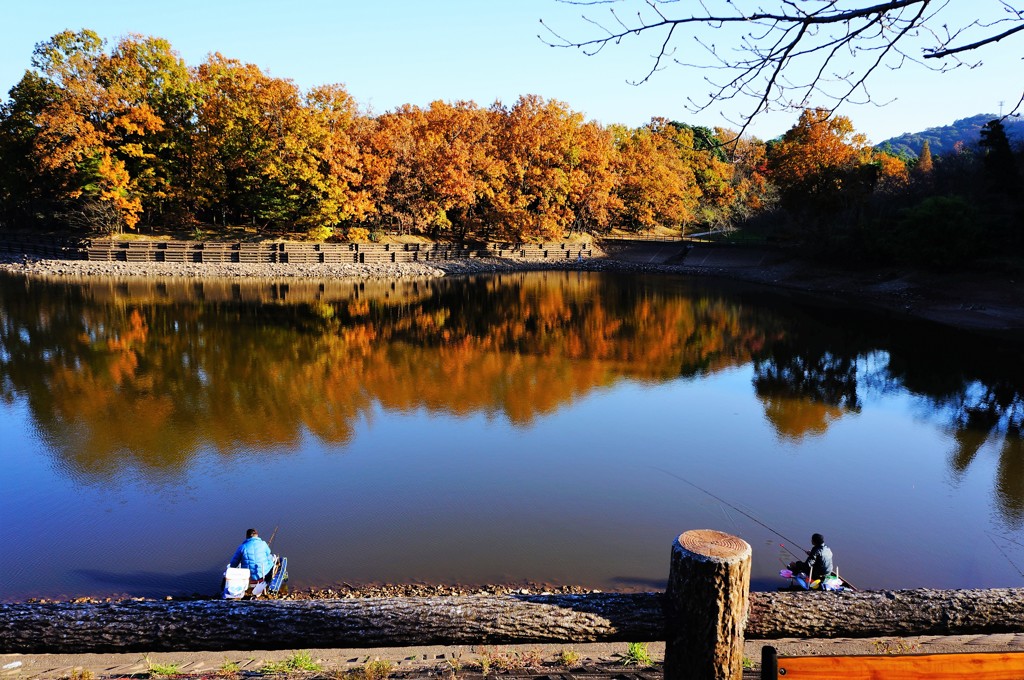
<point>390,52</point>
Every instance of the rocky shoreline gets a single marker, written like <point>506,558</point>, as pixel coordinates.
<point>347,591</point>
<point>990,303</point>
<point>34,266</point>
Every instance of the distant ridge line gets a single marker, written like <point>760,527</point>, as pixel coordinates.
<point>942,139</point>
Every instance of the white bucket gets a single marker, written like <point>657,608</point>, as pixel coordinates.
<point>236,582</point>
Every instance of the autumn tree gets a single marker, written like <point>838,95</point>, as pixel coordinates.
<point>830,181</point>
<point>537,143</point>
<point>925,163</point>
<point>591,195</point>
<point>705,153</point>
<point>654,184</point>
<point>250,152</point>
<point>398,183</point>
<point>93,117</point>
<point>753,193</point>
<point>533,170</point>
<point>455,143</point>
<point>891,172</point>
<point>327,167</point>
<point>67,141</point>
<point>464,167</point>
<point>814,161</point>
<point>153,102</point>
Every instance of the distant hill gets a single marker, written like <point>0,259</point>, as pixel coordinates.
<point>942,139</point>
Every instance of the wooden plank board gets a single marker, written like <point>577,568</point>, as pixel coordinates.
<point>980,666</point>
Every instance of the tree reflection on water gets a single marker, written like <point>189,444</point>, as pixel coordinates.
<point>112,370</point>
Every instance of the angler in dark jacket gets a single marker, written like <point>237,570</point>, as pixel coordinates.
<point>819,560</point>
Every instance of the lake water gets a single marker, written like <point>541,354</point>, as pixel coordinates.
<point>547,427</point>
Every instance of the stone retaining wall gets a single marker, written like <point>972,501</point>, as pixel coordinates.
<point>287,252</point>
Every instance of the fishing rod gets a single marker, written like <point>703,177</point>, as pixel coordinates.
<point>742,512</point>
<point>272,536</point>
<point>747,515</point>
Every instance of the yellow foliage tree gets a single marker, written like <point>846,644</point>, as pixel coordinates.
<point>654,185</point>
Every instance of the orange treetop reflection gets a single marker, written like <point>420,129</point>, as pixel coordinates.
<point>147,373</point>
<point>113,368</point>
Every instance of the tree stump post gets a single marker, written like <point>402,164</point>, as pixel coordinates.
<point>706,606</point>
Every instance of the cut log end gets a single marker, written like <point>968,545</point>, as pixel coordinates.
<point>706,600</point>
<point>708,544</point>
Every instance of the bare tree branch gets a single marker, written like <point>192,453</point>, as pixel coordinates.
<point>939,53</point>
<point>780,57</point>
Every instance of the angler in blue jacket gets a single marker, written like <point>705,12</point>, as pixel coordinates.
<point>254,555</point>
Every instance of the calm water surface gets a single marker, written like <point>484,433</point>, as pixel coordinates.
<point>491,429</point>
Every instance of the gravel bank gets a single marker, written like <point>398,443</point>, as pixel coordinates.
<point>34,266</point>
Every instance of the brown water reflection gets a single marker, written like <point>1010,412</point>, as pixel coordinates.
<point>114,368</point>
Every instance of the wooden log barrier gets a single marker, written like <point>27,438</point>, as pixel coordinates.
<point>293,624</point>
<point>706,606</point>
<point>595,617</point>
<point>886,612</point>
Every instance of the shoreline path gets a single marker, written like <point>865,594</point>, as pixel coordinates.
<point>595,660</point>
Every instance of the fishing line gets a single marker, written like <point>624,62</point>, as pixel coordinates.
<point>1000,549</point>
<point>1005,538</point>
<point>732,520</point>
<point>722,500</point>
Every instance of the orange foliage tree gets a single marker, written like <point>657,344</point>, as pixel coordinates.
<point>813,157</point>
<point>246,153</point>
<point>538,144</point>
<point>433,169</point>
<point>753,192</point>
<point>153,89</point>
<point>460,166</point>
<point>655,186</point>
<point>329,171</point>
<point>96,121</point>
<point>827,175</point>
